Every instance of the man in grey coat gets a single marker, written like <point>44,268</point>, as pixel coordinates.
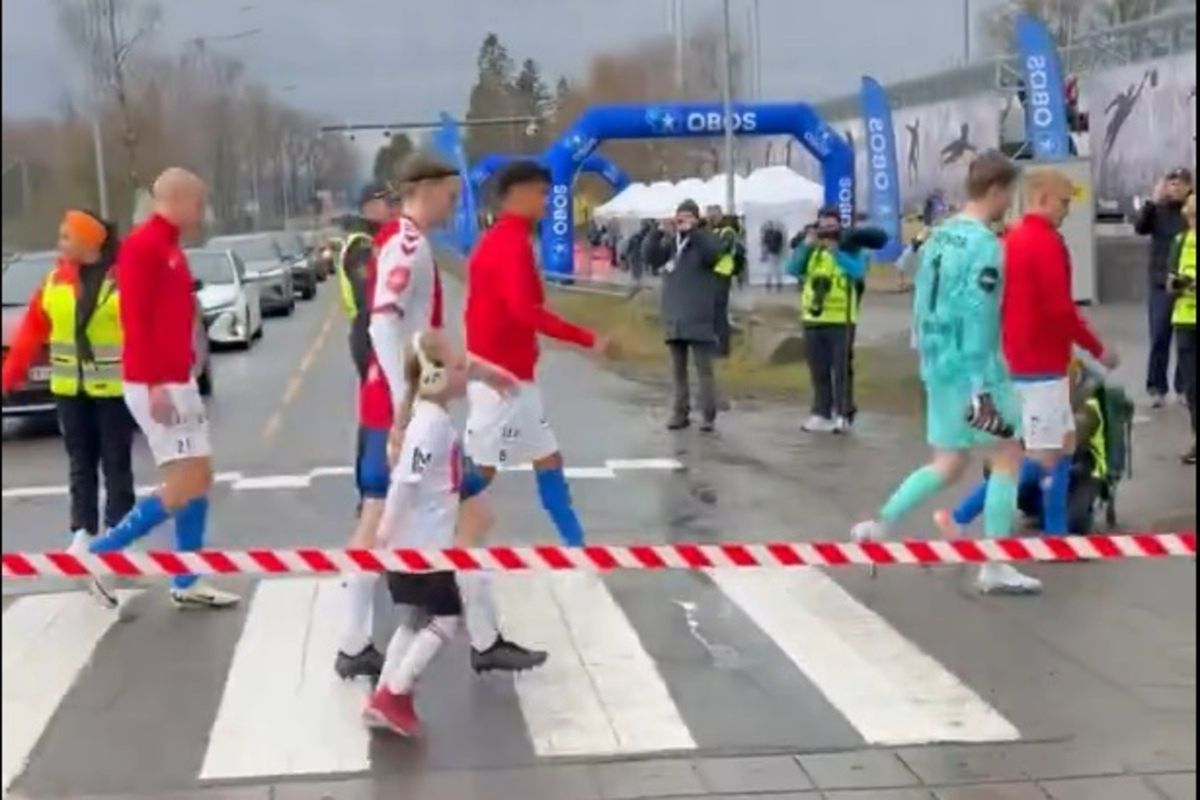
<point>688,256</point>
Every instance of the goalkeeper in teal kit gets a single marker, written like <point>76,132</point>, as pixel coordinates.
<point>971,400</point>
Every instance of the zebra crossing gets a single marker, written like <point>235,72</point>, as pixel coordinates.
<point>639,665</point>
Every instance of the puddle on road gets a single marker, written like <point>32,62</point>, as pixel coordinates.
<point>723,656</point>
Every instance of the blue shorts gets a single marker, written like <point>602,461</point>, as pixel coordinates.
<point>946,423</point>
<point>371,472</point>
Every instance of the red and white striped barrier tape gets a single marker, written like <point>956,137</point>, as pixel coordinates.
<point>600,558</point>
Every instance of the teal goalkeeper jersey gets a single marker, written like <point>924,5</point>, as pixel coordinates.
<point>956,306</point>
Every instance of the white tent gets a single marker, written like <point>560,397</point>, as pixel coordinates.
<point>625,203</point>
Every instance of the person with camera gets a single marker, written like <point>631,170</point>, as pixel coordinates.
<point>1161,218</point>
<point>687,255</point>
<point>829,278</point>
<point>1182,284</point>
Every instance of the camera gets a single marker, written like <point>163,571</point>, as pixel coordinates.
<point>822,285</point>
<point>1181,284</point>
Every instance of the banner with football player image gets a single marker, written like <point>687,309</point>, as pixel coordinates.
<point>1143,125</point>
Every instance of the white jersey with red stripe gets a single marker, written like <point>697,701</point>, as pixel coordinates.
<point>406,279</point>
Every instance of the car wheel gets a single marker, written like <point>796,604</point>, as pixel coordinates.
<point>205,382</point>
<point>289,308</point>
<point>309,292</point>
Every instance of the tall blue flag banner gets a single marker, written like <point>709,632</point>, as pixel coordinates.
<point>464,227</point>
<point>883,173</point>
<point>1046,126</point>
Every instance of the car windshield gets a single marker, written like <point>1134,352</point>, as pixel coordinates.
<point>22,275</point>
<point>248,248</point>
<point>210,266</point>
<point>290,244</point>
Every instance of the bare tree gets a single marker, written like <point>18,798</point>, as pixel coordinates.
<point>105,35</point>
<point>1067,19</point>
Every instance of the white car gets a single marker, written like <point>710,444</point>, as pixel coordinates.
<point>231,304</point>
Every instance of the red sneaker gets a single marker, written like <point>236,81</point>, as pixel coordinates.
<point>393,712</point>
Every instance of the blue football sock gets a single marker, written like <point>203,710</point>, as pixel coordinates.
<point>1000,507</point>
<point>145,516</point>
<point>1055,488</point>
<point>190,523</point>
<point>971,506</point>
<point>556,499</point>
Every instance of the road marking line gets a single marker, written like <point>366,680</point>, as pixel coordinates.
<point>643,463</point>
<point>273,482</point>
<point>293,388</point>
<point>884,685</point>
<point>600,693</point>
<point>68,626</point>
<point>284,711</point>
<point>275,422</point>
<point>240,481</point>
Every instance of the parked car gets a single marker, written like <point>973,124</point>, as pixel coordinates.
<point>23,274</point>
<point>232,308</point>
<point>295,254</point>
<point>265,266</point>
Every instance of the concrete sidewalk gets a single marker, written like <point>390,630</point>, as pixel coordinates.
<point>1025,771</point>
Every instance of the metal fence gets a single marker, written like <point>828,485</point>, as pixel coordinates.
<point>1164,35</point>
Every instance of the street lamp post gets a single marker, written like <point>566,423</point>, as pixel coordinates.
<point>98,148</point>
<point>727,102</point>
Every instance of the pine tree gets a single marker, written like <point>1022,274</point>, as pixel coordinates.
<point>493,95</point>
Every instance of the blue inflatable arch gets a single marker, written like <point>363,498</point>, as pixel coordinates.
<point>595,164</point>
<point>683,120</point>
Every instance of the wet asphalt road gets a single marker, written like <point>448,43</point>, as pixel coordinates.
<point>710,665</point>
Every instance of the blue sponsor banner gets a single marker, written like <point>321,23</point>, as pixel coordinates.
<point>447,140</point>
<point>883,173</point>
<point>1046,125</point>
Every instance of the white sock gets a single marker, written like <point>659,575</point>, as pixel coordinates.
<point>401,676</point>
<point>360,613</point>
<point>480,609</point>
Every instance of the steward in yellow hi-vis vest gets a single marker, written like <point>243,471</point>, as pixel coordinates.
<point>73,320</point>
<point>828,277</point>
<point>1183,318</point>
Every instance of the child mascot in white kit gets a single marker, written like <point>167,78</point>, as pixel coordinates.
<point>428,472</point>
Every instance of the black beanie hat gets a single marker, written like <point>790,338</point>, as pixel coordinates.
<point>689,207</point>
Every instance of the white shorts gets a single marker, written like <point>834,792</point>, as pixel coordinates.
<point>186,437</point>
<point>507,431</point>
<point>1046,413</point>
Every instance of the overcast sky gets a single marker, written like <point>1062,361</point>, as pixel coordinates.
<point>380,60</point>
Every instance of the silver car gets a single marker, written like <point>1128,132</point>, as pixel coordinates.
<point>232,308</point>
<point>265,267</point>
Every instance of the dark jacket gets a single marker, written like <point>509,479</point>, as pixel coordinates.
<point>357,263</point>
<point>1162,223</point>
<point>689,286</point>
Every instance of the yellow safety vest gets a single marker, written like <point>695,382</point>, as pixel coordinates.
<point>68,374</point>
<point>349,304</point>
<point>1185,304</point>
<point>838,306</point>
<point>725,264</point>
<point>1098,445</point>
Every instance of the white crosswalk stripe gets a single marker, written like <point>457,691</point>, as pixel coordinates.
<point>281,711</point>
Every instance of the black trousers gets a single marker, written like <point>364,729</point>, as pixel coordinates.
<point>724,332</point>
<point>827,348</point>
<point>1185,345</point>
<point>702,354</point>
<point>98,435</point>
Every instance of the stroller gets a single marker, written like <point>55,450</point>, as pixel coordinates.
<point>1093,490</point>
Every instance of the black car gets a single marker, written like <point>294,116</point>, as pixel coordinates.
<point>304,272</point>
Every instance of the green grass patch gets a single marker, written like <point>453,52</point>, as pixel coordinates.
<point>887,380</point>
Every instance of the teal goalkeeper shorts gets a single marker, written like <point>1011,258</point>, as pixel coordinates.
<point>947,405</point>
